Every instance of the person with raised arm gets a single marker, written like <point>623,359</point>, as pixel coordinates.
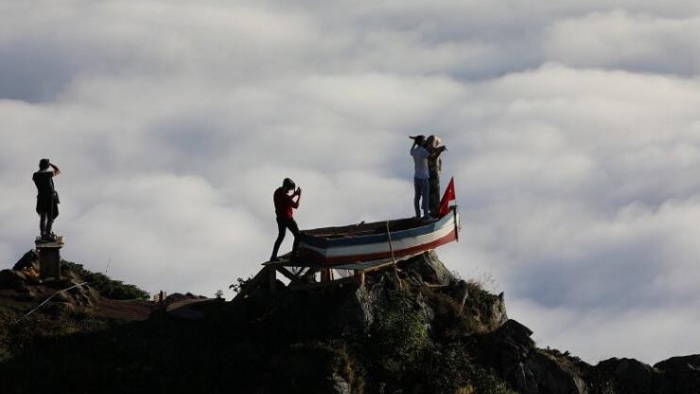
<point>47,198</point>
<point>421,177</point>
<point>284,209</point>
<point>432,145</point>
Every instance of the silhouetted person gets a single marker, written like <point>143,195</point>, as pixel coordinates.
<point>421,177</point>
<point>432,145</point>
<point>284,209</point>
<point>47,198</point>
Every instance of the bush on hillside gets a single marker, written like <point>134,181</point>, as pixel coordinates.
<point>114,289</point>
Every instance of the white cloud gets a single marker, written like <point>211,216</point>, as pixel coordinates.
<point>572,129</point>
<point>601,331</point>
<point>618,39</point>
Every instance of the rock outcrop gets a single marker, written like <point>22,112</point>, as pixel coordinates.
<point>529,370</point>
<point>28,261</point>
<point>677,375</point>
<point>411,328</point>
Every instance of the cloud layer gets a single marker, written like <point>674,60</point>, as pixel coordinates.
<point>572,129</point>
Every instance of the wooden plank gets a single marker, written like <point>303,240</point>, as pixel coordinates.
<point>318,285</point>
<point>368,265</point>
<point>287,263</point>
<point>271,279</point>
<point>310,272</point>
<point>378,266</point>
<point>286,273</point>
<point>326,275</point>
<point>360,275</point>
<point>302,271</point>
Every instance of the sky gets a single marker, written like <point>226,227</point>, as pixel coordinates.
<point>572,128</point>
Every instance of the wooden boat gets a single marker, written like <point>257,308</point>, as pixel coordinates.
<point>393,239</point>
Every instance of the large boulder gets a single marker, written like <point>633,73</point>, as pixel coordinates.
<point>630,374</point>
<point>11,279</point>
<point>23,273</point>
<point>356,310</point>
<point>512,353</point>
<point>30,260</point>
<point>74,292</point>
<point>486,311</point>
<point>426,268</point>
<point>679,375</point>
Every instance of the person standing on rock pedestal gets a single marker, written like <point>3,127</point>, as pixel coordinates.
<point>284,209</point>
<point>432,145</point>
<point>47,198</point>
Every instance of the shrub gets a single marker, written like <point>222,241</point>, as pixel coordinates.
<point>114,289</point>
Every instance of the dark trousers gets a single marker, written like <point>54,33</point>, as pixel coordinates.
<point>45,222</point>
<point>282,225</point>
<point>47,208</point>
<point>434,196</point>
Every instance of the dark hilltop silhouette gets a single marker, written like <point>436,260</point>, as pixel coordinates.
<point>412,327</point>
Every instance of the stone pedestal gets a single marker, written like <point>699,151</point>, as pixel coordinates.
<point>49,258</point>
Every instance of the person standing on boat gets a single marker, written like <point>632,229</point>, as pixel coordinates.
<point>47,198</point>
<point>432,145</point>
<point>284,209</point>
<point>421,177</point>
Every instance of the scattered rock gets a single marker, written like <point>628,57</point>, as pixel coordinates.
<point>11,279</point>
<point>356,311</point>
<point>428,268</point>
<point>82,295</point>
<point>25,294</point>
<point>340,385</point>
<point>488,311</point>
<point>29,260</point>
<point>497,315</point>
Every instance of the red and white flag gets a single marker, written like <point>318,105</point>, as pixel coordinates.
<point>447,197</point>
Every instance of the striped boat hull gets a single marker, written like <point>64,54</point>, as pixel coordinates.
<point>351,248</point>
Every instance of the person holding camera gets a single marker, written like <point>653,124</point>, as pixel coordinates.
<point>421,177</point>
<point>425,155</point>
<point>284,209</point>
<point>47,198</point>
<point>432,145</point>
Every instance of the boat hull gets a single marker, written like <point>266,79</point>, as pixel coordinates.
<point>416,239</point>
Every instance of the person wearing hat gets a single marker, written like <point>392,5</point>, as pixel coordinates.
<point>421,177</point>
<point>47,198</point>
<point>432,145</point>
<point>284,209</point>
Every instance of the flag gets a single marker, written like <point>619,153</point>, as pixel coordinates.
<point>447,197</point>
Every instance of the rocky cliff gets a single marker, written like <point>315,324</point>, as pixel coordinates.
<point>416,329</point>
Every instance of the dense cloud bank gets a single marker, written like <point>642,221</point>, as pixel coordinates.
<point>572,128</point>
